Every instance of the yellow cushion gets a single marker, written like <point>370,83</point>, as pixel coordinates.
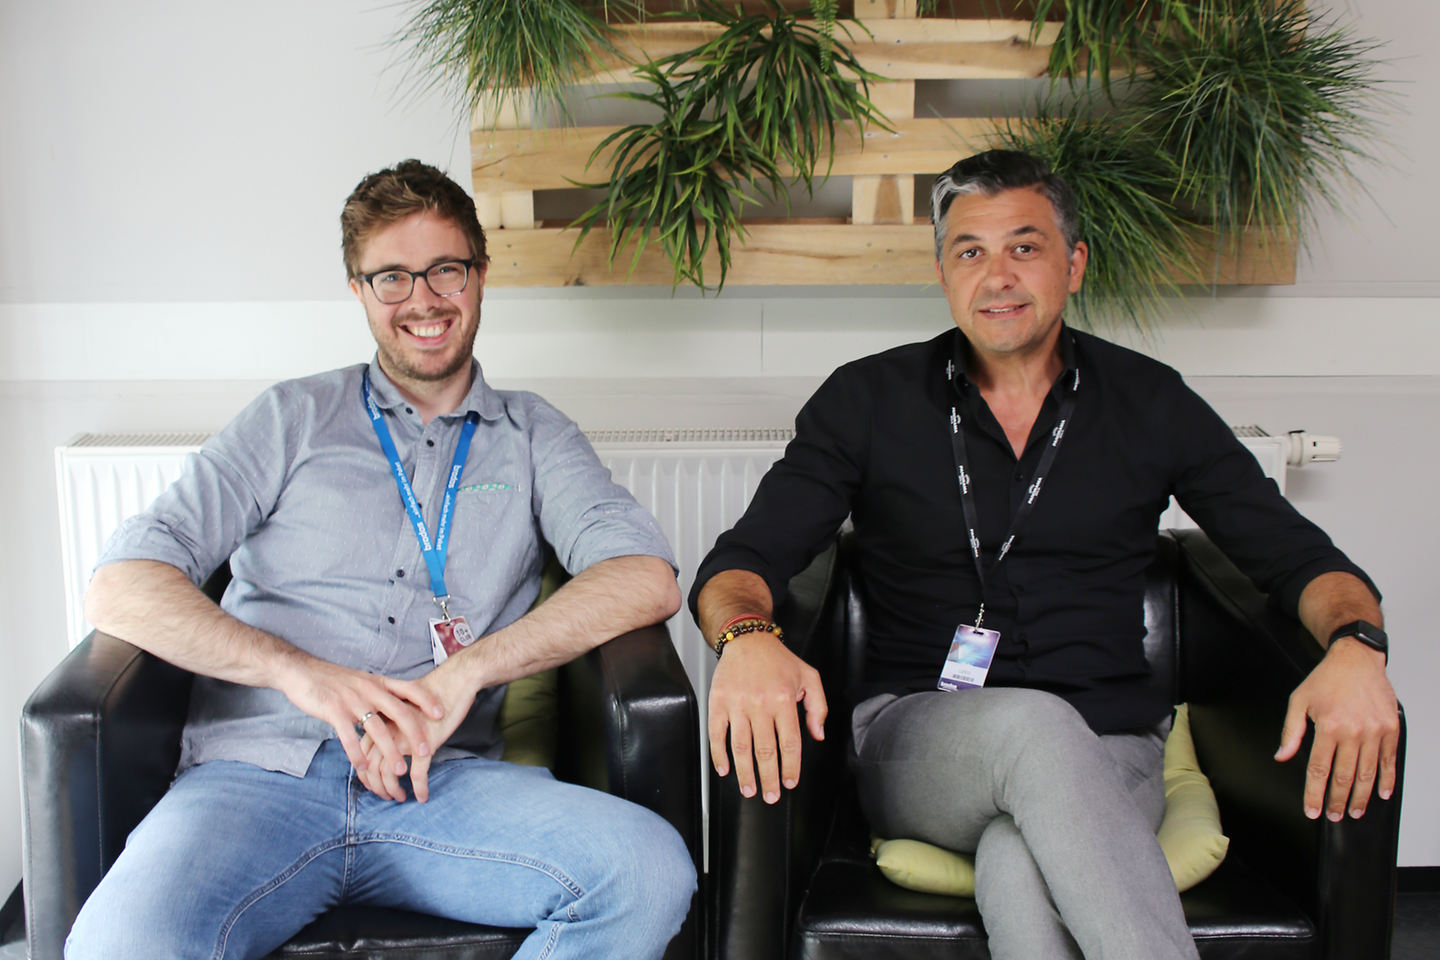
<point>529,721</point>
<point>529,717</point>
<point>1189,836</point>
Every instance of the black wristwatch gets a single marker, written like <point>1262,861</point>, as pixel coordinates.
<point>1367,633</point>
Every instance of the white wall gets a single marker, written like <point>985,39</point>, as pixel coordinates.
<point>158,156</point>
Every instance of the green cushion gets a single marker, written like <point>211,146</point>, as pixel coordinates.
<point>1189,836</point>
<point>529,717</point>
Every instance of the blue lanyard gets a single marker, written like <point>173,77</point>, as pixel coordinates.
<point>434,553</point>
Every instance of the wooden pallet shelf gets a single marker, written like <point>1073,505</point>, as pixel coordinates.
<point>797,252</point>
<point>880,243</point>
<point>556,159</point>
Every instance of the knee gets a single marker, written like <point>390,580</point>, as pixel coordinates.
<point>1028,717</point>
<point>649,864</point>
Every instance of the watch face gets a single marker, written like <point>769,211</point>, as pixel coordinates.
<point>1364,631</point>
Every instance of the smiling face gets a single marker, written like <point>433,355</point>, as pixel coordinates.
<point>1006,271</point>
<point>427,339</point>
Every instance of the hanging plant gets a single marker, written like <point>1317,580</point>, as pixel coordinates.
<point>1141,247</point>
<point>1244,115</point>
<point>1098,35</point>
<point>761,96</point>
<point>1264,111</point>
<point>522,51</point>
<point>679,182</point>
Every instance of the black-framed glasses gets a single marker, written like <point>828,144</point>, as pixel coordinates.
<point>445,279</point>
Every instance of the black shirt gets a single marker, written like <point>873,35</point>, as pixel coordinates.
<point>873,443</point>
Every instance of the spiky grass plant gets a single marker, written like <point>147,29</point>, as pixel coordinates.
<point>1265,112</point>
<point>1141,248</point>
<point>759,97</point>
<point>776,81</point>
<point>679,181</point>
<point>1098,35</point>
<point>522,51</point>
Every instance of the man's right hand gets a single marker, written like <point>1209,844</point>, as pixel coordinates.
<point>753,694</point>
<point>342,697</point>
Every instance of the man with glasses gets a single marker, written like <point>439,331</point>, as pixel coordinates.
<point>378,519</point>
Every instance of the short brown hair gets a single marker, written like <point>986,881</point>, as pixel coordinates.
<point>391,195</point>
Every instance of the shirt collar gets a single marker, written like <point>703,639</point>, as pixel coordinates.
<point>481,399</point>
<point>961,360</point>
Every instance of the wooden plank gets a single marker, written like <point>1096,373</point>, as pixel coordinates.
<point>499,205</point>
<point>772,254</point>
<point>551,159</point>
<point>883,9</point>
<point>888,198</point>
<point>1258,261</point>
<point>794,253</point>
<point>899,49</point>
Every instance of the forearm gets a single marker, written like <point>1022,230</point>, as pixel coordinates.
<point>155,606</point>
<point>610,598</point>
<point>728,594</point>
<point>1332,600</point>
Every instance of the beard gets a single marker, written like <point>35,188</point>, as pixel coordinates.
<point>398,364</point>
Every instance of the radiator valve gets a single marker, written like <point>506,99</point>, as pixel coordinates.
<point>1307,447</point>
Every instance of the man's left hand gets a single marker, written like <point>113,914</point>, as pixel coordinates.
<point>1357,730</point>
<point>449,686</point>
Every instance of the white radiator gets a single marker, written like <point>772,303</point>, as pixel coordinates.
<point>696,482</point>
<point>103,478</point>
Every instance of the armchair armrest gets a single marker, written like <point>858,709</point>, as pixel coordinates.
<point>762,856</point>
<point>99,743</point>
<point>1241,660</point>
<point>630,726</point>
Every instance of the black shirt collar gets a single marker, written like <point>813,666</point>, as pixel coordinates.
<point>963,352</point>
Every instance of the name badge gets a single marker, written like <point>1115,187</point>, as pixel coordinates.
<point>969,658</point>
<point>449,637</point>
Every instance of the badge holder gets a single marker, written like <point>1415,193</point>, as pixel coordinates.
<point>448,635</point>
<point>971,652</point>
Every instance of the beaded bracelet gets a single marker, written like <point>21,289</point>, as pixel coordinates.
<point>743,625</point>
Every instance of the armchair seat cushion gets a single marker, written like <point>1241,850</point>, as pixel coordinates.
<point>378,933</point>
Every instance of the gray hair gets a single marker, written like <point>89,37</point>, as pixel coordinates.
<point>994,171</point>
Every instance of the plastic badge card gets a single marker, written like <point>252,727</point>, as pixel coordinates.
<point>449,637</point>
<point>969,659</point>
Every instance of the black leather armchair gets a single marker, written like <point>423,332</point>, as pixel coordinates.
<point>796,879</point>
<point>100,740</point>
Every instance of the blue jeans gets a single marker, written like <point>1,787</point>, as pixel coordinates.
<point>235,860</point>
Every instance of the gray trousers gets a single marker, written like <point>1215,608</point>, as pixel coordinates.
<point>1062,822</point>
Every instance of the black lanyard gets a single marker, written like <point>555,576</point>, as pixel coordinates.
<point>967,499</point>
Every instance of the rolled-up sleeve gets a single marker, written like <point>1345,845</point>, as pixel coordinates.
<point>583,514</point>
<point>225,492</point>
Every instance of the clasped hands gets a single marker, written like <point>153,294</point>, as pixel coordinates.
<point>380,721</point>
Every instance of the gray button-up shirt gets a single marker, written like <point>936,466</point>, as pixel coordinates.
<point>297,493</point>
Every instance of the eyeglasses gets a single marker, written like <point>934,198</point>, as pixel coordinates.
<point>444,279</point>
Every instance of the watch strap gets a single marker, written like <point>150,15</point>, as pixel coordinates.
<point>1367,633</point>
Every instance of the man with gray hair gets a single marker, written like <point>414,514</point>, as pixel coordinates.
<point>1005,710</point>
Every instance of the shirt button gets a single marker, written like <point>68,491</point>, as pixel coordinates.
<point>1019,478</point>
<point>400,572</point>
<point>429,443</point>
<point>409,409</point>
<point>1019,588</point>
<point>391,619</point>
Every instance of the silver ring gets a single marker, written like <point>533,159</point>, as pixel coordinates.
<point>361,721</point>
